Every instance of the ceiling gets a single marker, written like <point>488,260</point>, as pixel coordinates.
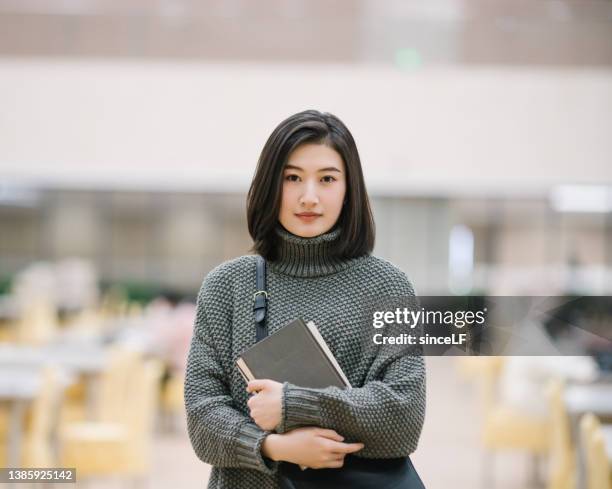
<point>409,35</point>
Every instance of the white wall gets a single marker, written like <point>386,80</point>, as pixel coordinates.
<point>197,126</point>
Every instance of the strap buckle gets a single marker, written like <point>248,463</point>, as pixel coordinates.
<point>260,292</point>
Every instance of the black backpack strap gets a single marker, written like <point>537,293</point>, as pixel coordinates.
<point>260,303</point>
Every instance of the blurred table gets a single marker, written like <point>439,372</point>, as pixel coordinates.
<point>79,353</point>
<point>590,398</point>
<point>86,360</point>
<point>79,358</point>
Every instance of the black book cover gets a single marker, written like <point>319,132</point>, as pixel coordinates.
<point>296,353</point>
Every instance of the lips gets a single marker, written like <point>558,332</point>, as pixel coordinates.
<point>308,216</point>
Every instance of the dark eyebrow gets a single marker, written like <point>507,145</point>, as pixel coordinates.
<point>328,168</point>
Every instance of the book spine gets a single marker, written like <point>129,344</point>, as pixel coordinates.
<point>327,353</point>
<point>244,370</point>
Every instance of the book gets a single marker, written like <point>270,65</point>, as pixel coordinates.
<point>296,353</point>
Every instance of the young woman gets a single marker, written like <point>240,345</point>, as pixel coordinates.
<point>309,216</point>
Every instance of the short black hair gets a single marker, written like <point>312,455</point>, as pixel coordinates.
<point>264,197</point>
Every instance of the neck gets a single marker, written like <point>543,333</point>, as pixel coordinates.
<point>307,257</point>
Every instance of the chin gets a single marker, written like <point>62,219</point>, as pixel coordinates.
<point>306,231</point>
<point>309,234</point>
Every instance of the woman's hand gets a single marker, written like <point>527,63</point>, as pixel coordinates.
<point>312,447</point>
<point>265,406</point>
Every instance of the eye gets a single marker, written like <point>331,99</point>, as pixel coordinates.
<point>292,178</point>
<point>328,179</point>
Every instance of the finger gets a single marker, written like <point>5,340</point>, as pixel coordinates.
<point>347,447</point>
<point>335,464</point>
<point>331,434</point>
<point>252,398</point>
<point>335,448</point>
<point>256,385</point>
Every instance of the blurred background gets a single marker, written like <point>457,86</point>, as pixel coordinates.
<point>129,132</point>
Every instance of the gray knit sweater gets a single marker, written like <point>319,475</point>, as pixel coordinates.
<point>384,409</point>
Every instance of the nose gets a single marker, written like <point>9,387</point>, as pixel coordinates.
<point>309,197</point>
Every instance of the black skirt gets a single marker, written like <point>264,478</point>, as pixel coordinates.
<point>356,473</point>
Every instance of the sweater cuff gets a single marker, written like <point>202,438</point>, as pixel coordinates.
<point>301,407</point>
<point>249,441</point>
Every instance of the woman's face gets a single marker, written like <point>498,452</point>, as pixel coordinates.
<point>314,186</point>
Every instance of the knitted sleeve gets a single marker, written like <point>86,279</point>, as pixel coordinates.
<point>387,415</point>
<point>220,434</point>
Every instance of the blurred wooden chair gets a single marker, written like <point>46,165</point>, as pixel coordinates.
<point>108,400</point>
<point>111,397</point>
<point>4,423</point>
<point>37,448</point>
<point>86,320</point>
<point>472,368</point>
<point>562,456</point>
<point>118,443</point>
<point>114,303</point>
<point>597,466</point>
<point>74,407</point>
<point>503,427</point>
<point>116,382</point>
<point>172,400</point>
<point>8,331</point>
<point>4,419</point>
<point>598,474</point>
<point>38,323</point>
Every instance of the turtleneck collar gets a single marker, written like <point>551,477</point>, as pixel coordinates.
<point>308,257</point>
